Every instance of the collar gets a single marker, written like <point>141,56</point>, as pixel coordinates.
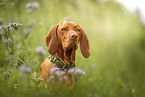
<point>60,64</point>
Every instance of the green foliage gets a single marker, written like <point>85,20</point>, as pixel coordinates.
<point>117,46</point>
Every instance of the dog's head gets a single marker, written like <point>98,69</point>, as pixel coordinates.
<point>67,35</point>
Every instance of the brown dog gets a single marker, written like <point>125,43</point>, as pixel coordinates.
<point>62,41</point>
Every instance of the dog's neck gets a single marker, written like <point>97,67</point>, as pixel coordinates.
<point>63,55</point>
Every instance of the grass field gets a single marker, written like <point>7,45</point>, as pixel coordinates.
<point>116,67</point>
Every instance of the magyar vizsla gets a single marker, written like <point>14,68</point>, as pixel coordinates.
<point>62,41</point>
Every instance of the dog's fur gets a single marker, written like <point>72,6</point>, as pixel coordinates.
<point>62,40</point>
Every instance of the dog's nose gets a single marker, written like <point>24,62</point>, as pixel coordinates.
<point>73,36</point>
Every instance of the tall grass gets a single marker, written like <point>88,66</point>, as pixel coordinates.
<point>117,42</point>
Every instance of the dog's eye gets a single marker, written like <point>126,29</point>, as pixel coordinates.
<point>63,29</point>
<point>78,30</point>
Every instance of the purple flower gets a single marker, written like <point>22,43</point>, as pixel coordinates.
<point>8,28</point>
<point>40,50</point>
<point>71,71</point>
<point>80,71</point>
<point>25,69</point>
<point>40,79</point>
<point>6,74</point>
<point>59,73</point>
<point>32,5</point>
<point>53,70</point>
<point>64,77</point>
<point>16,26</point>
<point>76,71</point>
<point>27,31</point>
<point>32,22</point>
<point>7,40</point>
<point>1,31</point>
<point>50,78</point>
<point>19,47</point>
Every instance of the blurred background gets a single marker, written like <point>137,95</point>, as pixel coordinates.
<point>116,34</point>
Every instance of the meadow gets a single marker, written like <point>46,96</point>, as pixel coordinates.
<point>115,68</point>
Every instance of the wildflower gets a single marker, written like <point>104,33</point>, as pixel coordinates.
<point>32,22</point>
<point>16,26</point>
<point>1,31</point>
<point>7,40</point>
<point>27,31</point>
<point>25,69</point>
<point>64,77</point>
<point>40,79</point>
<point>77,73</point>
<point>19,47</point>
<point>29,10</point>
<point>8,28</point>
<point>32,6</point>
<point>67,18</point>
<point>1,21</point>
<point>80,71</point>
<point>71,71</point>
<point>40,50</point>
<point>53,70</point>
<point>59,73</point>
<point>6,74</point>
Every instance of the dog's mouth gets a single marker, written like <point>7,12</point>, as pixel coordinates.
<point>69,54</point>
<point>68,45</point>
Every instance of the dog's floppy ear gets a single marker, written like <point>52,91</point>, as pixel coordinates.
<point>51,40</point>
<point>84,45</point>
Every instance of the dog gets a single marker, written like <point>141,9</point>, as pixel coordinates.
<point>62,41</point>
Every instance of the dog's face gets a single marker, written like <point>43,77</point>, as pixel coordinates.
<point>66,36</point>
<point>69,34</point>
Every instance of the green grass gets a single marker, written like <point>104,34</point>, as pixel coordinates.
<point>117,47</point>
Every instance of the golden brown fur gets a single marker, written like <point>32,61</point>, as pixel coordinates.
<point>62,40</point>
